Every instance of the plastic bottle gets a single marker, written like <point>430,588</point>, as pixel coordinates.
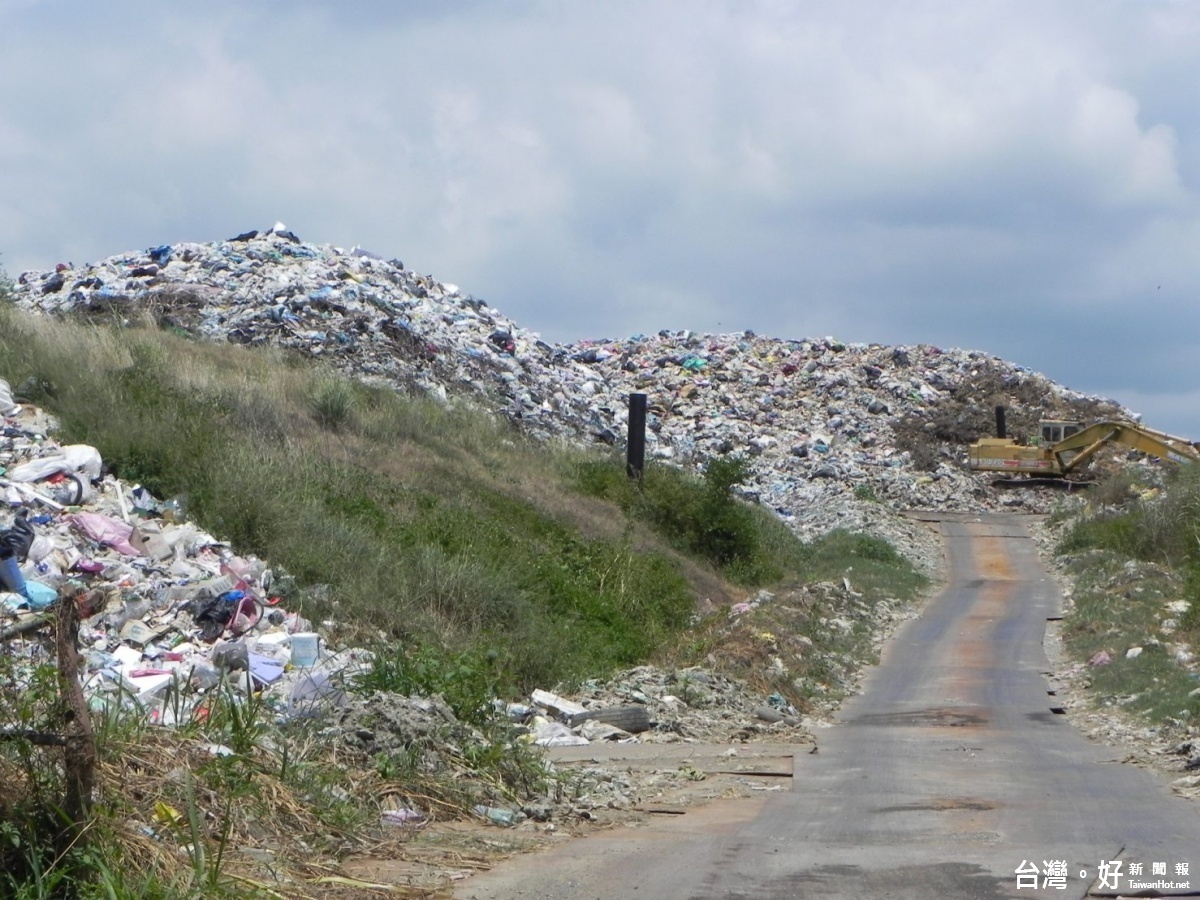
<point>496,815</point>
<point>205,675</point>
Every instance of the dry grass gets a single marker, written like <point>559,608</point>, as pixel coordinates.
<point>248,806</point>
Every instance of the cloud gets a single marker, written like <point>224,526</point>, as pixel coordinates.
<point>973,175</point>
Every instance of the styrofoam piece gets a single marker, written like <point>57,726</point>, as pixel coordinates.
<point>555,703</point>
<point>144,685</point>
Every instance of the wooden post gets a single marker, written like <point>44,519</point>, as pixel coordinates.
<point>79,754</point>
<point>635,453</point>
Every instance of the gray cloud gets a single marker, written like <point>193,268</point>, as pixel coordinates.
<point>1014,177</point>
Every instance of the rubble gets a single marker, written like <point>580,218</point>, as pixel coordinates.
<point>655,705</point>
<point>169,612</point>
<point>835,433</point>
<point>388,723</point>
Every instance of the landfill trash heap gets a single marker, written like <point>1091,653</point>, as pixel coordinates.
<point>827,427</point>
<point>162,603</point>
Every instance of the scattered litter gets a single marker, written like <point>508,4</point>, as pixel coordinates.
<point>409,818</point>
<point>498,816</point>
<point>163,604</point>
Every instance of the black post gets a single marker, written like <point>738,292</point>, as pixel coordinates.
<point>1001,430</point>
<point>635,453</point>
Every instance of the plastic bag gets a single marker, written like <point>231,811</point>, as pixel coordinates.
<point>314,694</point>
<point>211,614</point>
<point>105,530</point>
<point>19,538</point>
<point>6,398</point>
<point>40,595</point>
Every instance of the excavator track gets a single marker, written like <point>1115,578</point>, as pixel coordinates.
<point>1061,484</point>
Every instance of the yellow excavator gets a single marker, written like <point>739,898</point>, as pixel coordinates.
<point>1064,448</point>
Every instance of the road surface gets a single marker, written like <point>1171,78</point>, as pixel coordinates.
<point>943,777</point>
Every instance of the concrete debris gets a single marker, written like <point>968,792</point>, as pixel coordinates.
<point>652,705</point>
<point>387,723</point>
<point>630,719</point>
<point>829,428</point>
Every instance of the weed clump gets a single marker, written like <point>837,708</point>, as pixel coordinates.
<point>1159,524</point>
<point>332,404</point>
<point>702,515</point>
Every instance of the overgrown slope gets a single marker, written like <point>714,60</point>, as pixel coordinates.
<point>475,561</point>
<point>396,518</point>
<point>1133,549</point>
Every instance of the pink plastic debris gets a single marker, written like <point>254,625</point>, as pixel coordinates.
<point>105,530</point>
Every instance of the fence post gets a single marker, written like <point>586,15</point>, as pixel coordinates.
<point>635,453</point>
<point>79,754</point>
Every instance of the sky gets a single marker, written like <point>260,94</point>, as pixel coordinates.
<point>1021,178</point>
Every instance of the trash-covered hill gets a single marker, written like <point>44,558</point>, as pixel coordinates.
<point>830,427</point>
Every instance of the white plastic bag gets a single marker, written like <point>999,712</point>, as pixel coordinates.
<point>6,399</point>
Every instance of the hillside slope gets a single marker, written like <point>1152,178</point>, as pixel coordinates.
<point>828,426</point>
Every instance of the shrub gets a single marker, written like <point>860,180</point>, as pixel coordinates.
<point>701,515</point>
<point>1161,526</point>
<point>332,404</point>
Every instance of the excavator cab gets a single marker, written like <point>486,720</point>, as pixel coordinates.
<point>1054,431</point>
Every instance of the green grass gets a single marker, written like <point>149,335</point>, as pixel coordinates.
<point>428,525</point>
<point>808,641</point>
<point>1155,524</point>
<point>702,516</point>
<point>870,564</point>
<point>1133,551</point>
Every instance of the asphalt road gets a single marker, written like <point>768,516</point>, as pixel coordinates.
<point>943,777</point>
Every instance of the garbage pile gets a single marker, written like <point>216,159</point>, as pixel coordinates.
<point>163,604</point>
<point>829,427</point>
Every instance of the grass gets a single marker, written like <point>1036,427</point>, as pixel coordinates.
<point>810,637</point>
<point>1135,554</point>
<point>227,803</point>
<point>431,526</point>
<point>702,515</point>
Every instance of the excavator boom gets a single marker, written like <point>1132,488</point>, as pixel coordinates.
<point>1072,453</point>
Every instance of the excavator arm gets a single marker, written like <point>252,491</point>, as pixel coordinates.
<point>1074,452</point>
